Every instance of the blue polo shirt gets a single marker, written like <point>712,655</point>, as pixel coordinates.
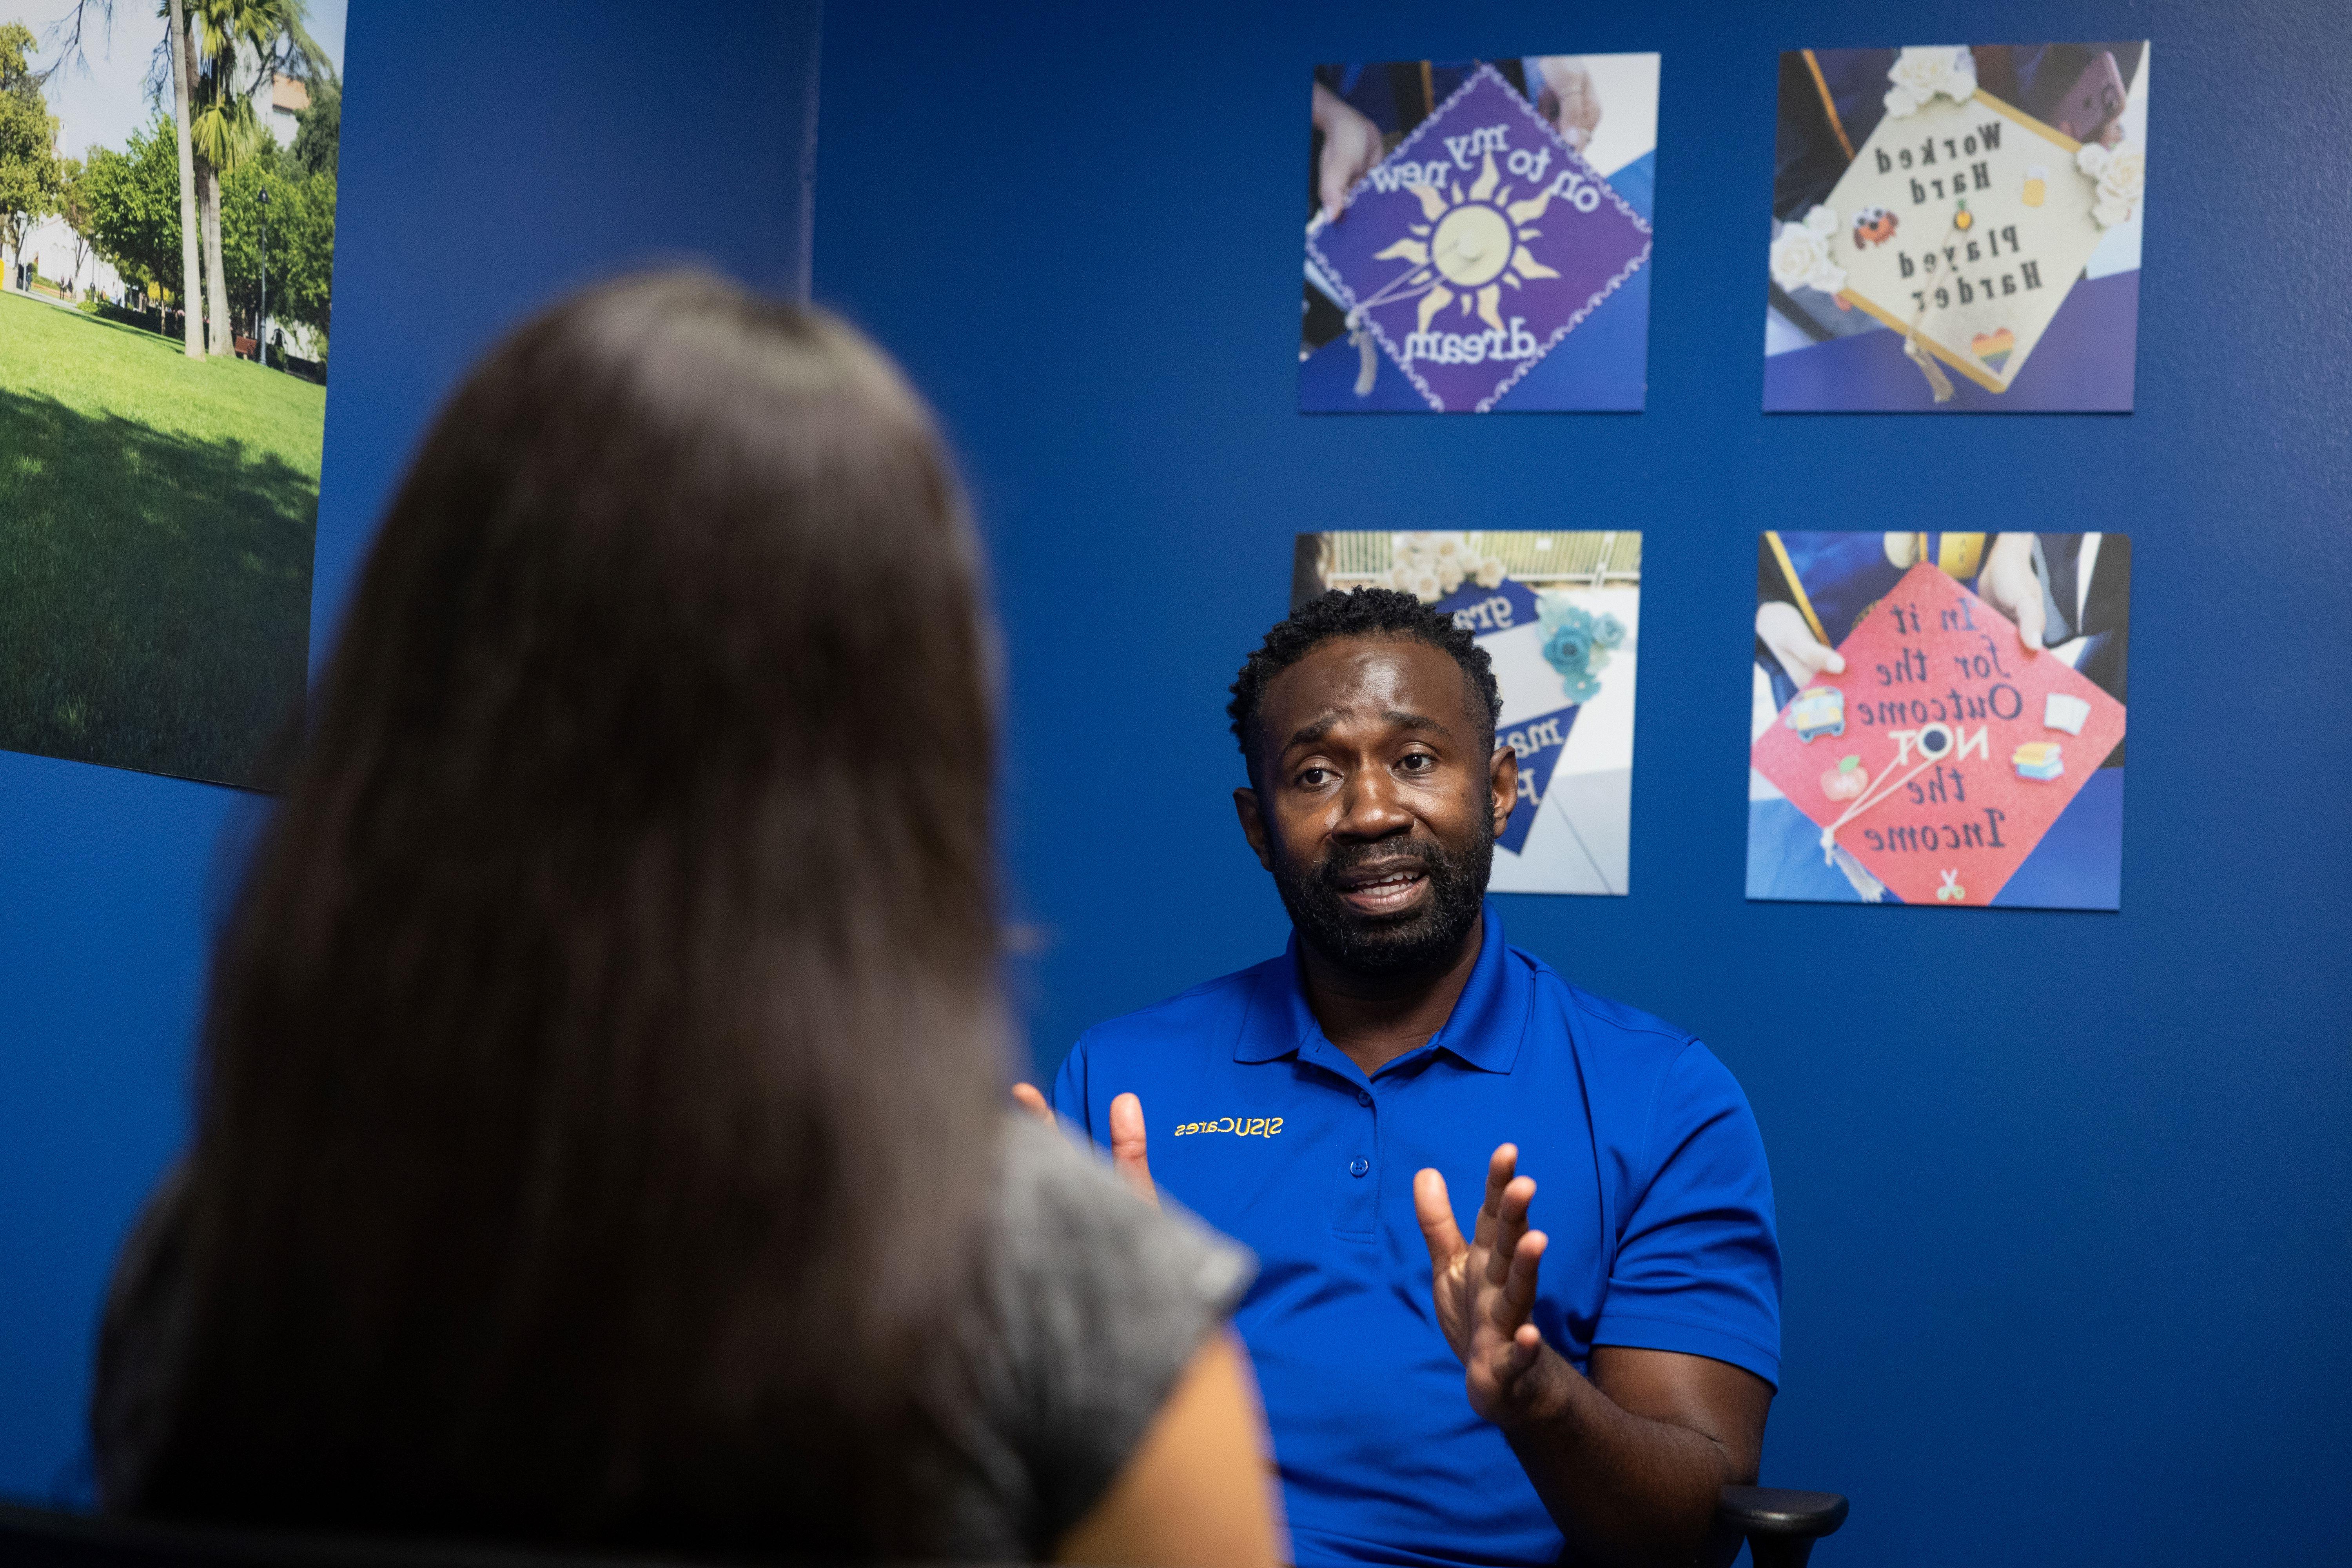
<point>1651,1183</point>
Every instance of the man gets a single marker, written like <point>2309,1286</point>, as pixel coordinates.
<point>1619,1366</point>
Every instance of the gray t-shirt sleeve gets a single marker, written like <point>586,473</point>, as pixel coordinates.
<point>1095,1301</point>
<point>1103,1300</point>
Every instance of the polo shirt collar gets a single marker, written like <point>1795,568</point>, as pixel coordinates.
<point>1484,1029</point>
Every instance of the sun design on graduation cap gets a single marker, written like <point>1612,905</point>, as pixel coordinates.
<point>1471,247</point>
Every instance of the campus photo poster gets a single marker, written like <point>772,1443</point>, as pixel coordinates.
<point>1957,229</point>
<point>1561,616</point>
<point>162,408</point>
<point>1939,718</point>
<point>1478,235</point>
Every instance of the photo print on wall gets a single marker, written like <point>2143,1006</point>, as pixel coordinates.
<point>1561,616</point>
<point>1939,718</point>
<point>1956,228</point>
<point>162,411</point>
<point>1478,236</point>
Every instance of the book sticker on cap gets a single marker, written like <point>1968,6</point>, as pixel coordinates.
<point>2039,760</point>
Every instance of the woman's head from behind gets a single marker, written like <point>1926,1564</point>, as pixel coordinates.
<point>601,1063</point>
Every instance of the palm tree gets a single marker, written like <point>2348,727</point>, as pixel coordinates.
<point>222,132</point>
<point>183,78</point>
<point>237,36</point>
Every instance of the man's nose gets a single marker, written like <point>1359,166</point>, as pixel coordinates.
<point>1371,807</point>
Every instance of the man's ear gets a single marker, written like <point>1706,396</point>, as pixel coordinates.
<point>1245,807</point>
<point>1504,780</point>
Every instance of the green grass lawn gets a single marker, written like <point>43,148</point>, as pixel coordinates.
<point>156,520</point>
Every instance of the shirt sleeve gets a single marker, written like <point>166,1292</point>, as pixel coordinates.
<point>1107,1301</point>
<point>1698,1263</point>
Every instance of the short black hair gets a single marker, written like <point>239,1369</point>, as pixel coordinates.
<point>1359,612</point>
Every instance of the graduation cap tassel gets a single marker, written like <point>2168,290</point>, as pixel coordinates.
<point>1879,789</point>
<point>1937,382</point>
<point>1411,283</point>
<point>1914,346</point>
<point>1872,890</point>
<point>1369,365</point>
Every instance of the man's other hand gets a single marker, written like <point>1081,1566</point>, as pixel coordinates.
<point>1486,1288</point>
<point>1127,1142</point>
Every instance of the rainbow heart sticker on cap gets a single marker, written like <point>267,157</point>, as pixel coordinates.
<point>1993,348</point>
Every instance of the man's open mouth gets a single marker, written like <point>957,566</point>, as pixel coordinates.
<point>1383,892</point>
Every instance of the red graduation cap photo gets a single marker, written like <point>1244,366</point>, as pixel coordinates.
<point>1932,755</point>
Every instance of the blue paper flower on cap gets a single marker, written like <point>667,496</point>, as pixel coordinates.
<point>1577,644</point>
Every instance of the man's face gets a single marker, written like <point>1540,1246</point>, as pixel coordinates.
<point>1377,801</point>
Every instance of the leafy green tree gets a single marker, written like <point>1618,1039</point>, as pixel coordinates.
<point>318,130</point>
<point>73,205</point>
<point>133,201</point>
<point>30,179</point>
<point>300,223</point>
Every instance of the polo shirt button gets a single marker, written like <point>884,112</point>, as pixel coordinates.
<point>1358,1167</point>
<point>1363,1096</point>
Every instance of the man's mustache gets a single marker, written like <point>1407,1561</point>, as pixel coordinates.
<point>1344,858</point>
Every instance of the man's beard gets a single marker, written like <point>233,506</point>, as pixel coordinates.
<point>1424,940</point>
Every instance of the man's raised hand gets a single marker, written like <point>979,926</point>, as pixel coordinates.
<point>1486,1288</point>
<point>1128,1141</point>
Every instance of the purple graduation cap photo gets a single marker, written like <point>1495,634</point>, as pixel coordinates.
<point>1475,248</point>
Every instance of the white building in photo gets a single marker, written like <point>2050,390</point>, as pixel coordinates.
<point>63,259</point>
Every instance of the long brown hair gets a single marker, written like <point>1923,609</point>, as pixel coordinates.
<point>602,1071</point>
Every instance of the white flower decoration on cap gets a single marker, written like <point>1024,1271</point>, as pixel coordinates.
<point>1489,574</point>
<point>2121,175</point>
<point>1921,72</point>
<point>1802,257</point>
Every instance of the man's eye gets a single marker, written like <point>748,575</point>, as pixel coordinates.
<point>1417,762</point>
<point>1313,778</point>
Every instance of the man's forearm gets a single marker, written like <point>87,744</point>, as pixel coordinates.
<point>1628,1491</point>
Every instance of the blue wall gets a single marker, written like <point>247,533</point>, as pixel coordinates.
<point>493,156</point>
<point>2063,1196</point>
